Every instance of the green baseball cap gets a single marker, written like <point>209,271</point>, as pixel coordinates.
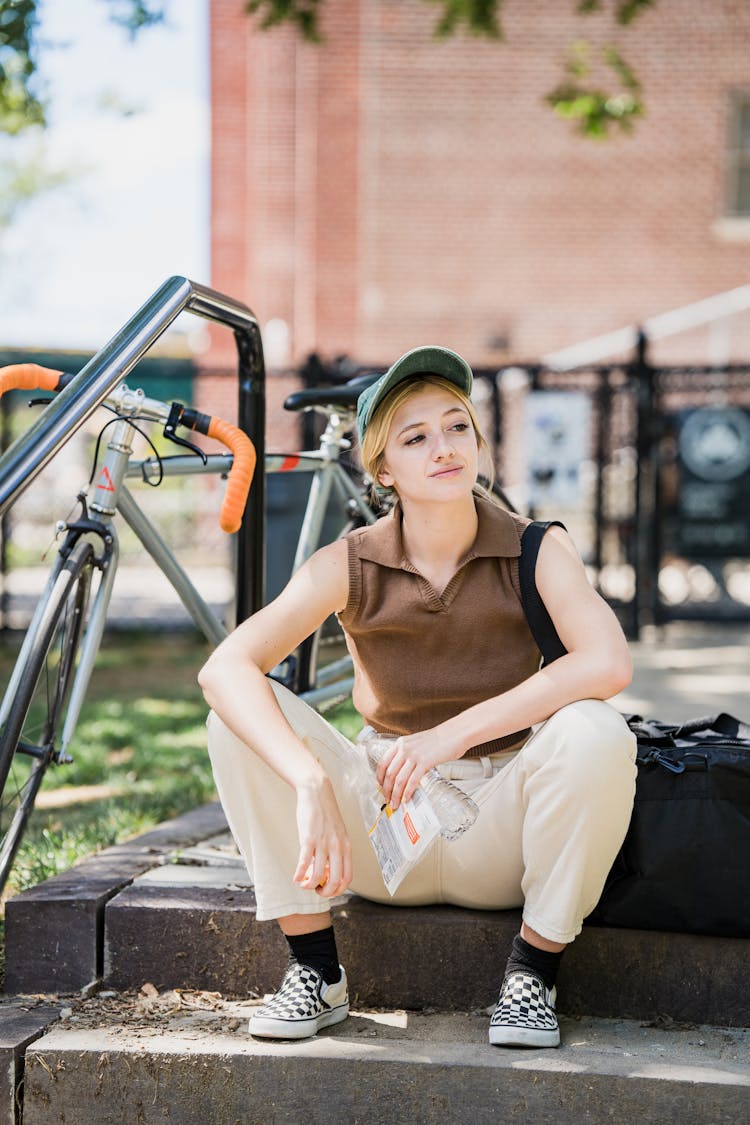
<point>419,361</point>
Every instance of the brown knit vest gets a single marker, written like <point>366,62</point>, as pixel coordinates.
<point>421,658</point>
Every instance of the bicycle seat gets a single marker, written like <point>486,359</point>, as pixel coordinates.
<point>345,395</point>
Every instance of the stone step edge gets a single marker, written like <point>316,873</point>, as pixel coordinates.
<point>385,1066</point>
<point>205,935</point>
<point>73,903</point>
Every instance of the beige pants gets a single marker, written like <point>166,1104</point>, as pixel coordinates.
<point>552,817</point>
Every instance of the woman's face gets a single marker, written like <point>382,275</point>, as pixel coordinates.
<point>431,452</point>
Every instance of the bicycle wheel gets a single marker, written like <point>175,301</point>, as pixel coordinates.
<point>29,740</point>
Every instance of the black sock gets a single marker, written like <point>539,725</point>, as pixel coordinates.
<point>540,961</point>
<point>318,950</point>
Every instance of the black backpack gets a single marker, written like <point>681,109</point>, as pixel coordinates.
<point>685,862</point>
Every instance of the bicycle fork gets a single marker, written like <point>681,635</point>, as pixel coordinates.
<point>104,503</point>
<point>107,490</point>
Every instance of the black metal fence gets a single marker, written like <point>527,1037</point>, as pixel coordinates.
<point>648,466</point>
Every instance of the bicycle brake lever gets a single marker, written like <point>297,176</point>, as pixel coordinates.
<point>170,432</point>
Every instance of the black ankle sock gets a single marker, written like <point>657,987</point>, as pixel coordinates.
<point>318,950</point>
<point>540,961</point>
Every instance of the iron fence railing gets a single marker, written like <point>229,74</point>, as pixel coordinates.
<point>624,522</point>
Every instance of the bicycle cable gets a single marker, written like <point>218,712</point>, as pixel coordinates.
<point>131,421</point>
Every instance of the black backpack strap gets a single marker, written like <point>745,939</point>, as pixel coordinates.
<point>542,629</point>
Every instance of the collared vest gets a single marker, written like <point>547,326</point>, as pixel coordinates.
<point>421,657</point>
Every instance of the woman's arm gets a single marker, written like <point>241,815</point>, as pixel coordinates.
<point>235,687</point>
<point>597,666</point>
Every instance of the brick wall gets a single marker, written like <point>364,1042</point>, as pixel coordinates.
<point>386,189</point>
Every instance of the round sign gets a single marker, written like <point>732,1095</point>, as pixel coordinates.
<point>715,443</point>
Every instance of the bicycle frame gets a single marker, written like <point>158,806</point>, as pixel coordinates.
<point>328,474</point>
<point>111,496</point>
<point>28,455</point>
<point>324,464</point>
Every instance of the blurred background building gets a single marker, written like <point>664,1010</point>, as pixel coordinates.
<point>385,188</point>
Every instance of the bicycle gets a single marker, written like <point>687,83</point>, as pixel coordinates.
<point>43,699</point>
<point>319,682</point>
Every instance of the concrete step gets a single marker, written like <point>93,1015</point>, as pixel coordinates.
<point>187,1057</point>
<point>185,918</point>
<point>21,1023</point>
<point>186,927</point>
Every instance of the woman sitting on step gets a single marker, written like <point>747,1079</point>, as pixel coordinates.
<point>429,600</point>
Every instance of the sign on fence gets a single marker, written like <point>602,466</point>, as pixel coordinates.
<point>713,495</point>
<point>558,426</point>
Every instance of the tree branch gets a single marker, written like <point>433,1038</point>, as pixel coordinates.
<point>595,110</point>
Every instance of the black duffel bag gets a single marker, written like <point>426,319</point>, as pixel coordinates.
<point>685,862</point>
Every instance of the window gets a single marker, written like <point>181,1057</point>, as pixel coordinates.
<point>738,163</point>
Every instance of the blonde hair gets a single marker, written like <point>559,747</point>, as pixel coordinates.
<point>372,451</point>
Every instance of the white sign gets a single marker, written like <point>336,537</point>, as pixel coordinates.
<point>557,430</point>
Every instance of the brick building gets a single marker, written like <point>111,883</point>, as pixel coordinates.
<point>386,188</point>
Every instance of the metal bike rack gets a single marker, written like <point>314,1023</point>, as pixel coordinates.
<point>69,410</point>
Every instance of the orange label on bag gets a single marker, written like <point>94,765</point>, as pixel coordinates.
<point>411,831</point>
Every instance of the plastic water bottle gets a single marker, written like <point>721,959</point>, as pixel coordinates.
<point>454,809</point>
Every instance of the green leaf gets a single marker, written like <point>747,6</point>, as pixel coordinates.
<point>20,104</point>
<point>627,10</point>
<point>597,111</point>
<point>478,17</point>
<point>302,13</point>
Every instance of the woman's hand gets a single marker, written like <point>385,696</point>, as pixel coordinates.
<point>403,766</point>
<point>325,857</point>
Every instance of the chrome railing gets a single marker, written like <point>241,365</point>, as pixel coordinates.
<point>29,454</point>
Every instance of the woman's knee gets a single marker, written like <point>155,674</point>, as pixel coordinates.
<point>594,740</point>
<point>592,722</point>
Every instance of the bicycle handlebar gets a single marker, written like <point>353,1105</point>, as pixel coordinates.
<point>243,463</point>
<point>31,376</point>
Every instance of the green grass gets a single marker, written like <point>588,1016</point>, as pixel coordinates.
<point>139,755</point>
<point>140,743</point>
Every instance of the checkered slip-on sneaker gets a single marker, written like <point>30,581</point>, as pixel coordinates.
<point>525,1013</point>
<point>303,1005</point>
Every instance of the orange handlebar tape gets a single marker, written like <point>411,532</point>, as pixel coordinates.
<point>240,475</point>
<point>28,377</point>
